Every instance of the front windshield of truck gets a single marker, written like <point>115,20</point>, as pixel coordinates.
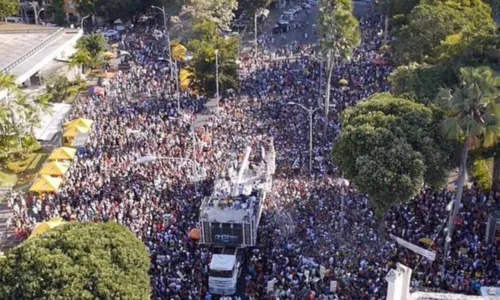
<point>221,273</point>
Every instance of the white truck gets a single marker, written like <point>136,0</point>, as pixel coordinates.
<point>229,218</point>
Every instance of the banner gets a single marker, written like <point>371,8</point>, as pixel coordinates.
<point>333,286</point>
<point>430,255</point>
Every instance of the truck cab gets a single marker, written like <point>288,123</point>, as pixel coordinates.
<point>225,268</point>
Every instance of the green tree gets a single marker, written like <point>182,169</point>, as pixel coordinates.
<point>56,8</point>
<point>206,41</point>
<point>81,59</point>
<point>220,12</point>
<point>8,8</point>
<point>391,8</point>
<point>422,82</point>
<point>339,36</point>
<point>95,44</point>
<point>389,147</point>
<point>58,88</point>
<point>78,261</point>
<point>473,117</point>
<point>251,6</point>
<point>430,24</point>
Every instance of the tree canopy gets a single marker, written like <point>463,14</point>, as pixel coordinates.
<point>206,41</point>
<point>95,44</point>
<point>8,8</point>
<point>220,12</point>
<point>78,261</point>
<point>389,147</point>
<point>429,25</point>
<point>421,82</point>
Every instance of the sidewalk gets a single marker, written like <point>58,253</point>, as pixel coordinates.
<point>7,238</point>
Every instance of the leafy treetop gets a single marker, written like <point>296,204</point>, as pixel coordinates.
<point>78,261</point>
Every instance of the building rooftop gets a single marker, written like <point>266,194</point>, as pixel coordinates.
<point>15,45</point>
<point>25,49</point>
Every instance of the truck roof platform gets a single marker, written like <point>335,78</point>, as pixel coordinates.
<point>222,262</point>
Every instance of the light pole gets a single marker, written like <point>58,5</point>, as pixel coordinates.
<point>217,75</point>
<point>167,36</point>
<point>259,12</point>
<point>35,5</point>
<point>83,19</point>
<point>38,15</point>
<point>310,111</point>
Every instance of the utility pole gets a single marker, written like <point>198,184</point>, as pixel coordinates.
<point>310,113</point>
<point>35,5</point>
<point>259,12</point>
<point>167,37</point>
<point>217,75</point>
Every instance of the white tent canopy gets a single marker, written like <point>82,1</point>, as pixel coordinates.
<point>51,122</point>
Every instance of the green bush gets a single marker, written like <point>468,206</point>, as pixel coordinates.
<point>481,171</point>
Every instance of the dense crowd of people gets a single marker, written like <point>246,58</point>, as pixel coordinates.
<point>310,221</point>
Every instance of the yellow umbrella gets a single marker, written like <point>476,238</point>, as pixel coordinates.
<point>426,241</point>
<point>184,77</point>
<point>80,122</point>
<point>109,55</point>
<point>178,52</point>
<point>55,168</point>
<point>75,131</point>
<point>46,184</point>
<point>343,81</point>
<point>41,228</point>
<point>63,153</point>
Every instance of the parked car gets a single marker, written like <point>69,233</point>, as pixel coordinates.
<point>306,5</point>
<point>110,33</point>
<point>281,27</point>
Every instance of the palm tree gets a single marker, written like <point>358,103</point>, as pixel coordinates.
<point>473,116</point>
<point>80,59</point>
<point>339,36</point>
<point>95,44</point>
<point>8,82</point>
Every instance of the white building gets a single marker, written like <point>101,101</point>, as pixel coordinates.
<point>27,49</point>
<point>399,289</point>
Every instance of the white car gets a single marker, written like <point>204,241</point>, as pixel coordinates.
<point>298,8</point>
<point>306,5</point>
<point>110,33</point>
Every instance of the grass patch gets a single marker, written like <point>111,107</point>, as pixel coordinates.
<point>19,166</point>
<point>7,180</point>
<point>25,170</point>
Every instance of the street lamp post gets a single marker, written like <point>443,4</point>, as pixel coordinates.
<point>217,75</point>
<point>310,111</point>
<point>35,5</point>
<point>83,19</point>
<point>259,12</point>
<point>167,36</point>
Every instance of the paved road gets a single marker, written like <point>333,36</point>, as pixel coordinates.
<point>305,17</point>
